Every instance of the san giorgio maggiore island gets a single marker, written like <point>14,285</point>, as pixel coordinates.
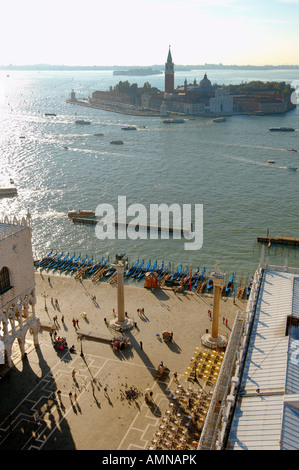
<point>197,99</point>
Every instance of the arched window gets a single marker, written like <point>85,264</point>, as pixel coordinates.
<point>4,280</point>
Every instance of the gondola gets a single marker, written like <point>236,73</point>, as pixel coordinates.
<point>50,265</point>
<point>160,268</point>
<point>96,266</point>
<point>165,272</point>
<point>46,262</point>
<point>44,259</point>
<point>194,276</point>
<point>105,263</point>
<point>73,264</point>
<point>200,278</point>
<point>132,269</point>
<point>88,262</point>
<point>68,262</point>
<point>182,274</point>
<point>138,270</point>
<point>80,265</point>
<point>154,267</point>
<point>110,271</point>
<point>176,274</point>
<point>60,263</point>
<point>230,284</point>
<point>145,270</point>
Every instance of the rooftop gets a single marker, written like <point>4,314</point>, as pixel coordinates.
<point>8,226</point>
<point>267,409</point>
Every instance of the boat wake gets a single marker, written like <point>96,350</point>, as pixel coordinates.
<point>259,147</point>
<point>264,164</point>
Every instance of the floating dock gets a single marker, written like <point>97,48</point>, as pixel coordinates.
<point>279,240</point>
<point>85,220</point>
<point>159,228</point>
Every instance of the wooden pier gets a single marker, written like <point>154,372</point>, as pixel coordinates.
<point>279,240</point>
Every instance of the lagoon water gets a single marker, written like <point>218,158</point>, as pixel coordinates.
<point>222,166</point>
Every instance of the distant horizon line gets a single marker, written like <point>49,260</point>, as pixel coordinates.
<point>178,67</point>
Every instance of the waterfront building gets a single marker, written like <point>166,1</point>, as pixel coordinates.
<point>17,287</point>
<point>222,102</point>
<point>197,98</point>
<point>261,101</point>
<point>169,74</point>
<point>256,400</point>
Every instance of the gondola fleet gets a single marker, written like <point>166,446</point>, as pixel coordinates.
<point>87,267</point>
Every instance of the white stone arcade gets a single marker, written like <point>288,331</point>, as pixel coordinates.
<point>17,286</point>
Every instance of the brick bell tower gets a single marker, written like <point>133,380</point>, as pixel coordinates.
<point>169,74</point>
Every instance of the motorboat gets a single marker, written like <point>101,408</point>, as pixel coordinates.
<point>173,121</point>
<point>270,161</point>
<point>219,119</point>
<point>81,121</point>
<point>83,213</point>
<point>281,129</point>
<point>292,168</point>
<point>292,150</point>
<point>129,128</point>
<point>117,142</point>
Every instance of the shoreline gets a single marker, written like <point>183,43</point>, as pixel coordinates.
<point>172,113</point>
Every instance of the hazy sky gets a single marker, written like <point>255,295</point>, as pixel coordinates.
<point>138,32</point>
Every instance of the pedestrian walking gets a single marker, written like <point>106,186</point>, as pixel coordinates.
<point>73,373</point>
<point>74,323</point>
<point>52,302</point>
<point>226,322</point>
<point>77,323</point>
<point>75,396</point>
<point>175,375</point>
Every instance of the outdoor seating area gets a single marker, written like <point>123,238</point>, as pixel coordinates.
<point>181,426</point>
<point>182,422</point>
<point>205,364</point>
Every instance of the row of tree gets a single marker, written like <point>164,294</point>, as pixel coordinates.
<point>281,89</point>
<point>133,89</point>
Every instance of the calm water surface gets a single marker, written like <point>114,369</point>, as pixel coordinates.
<point>222,166</point>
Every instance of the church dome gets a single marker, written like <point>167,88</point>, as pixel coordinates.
<point>205,82</point>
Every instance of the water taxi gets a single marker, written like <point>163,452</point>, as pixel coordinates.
<point>83,213</point>
<point>173,121</point>
<point>219,119</point>
<point>81,121</point>
<point>281,129</point>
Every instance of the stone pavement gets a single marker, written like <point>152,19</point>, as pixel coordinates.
<point>99,414</point>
